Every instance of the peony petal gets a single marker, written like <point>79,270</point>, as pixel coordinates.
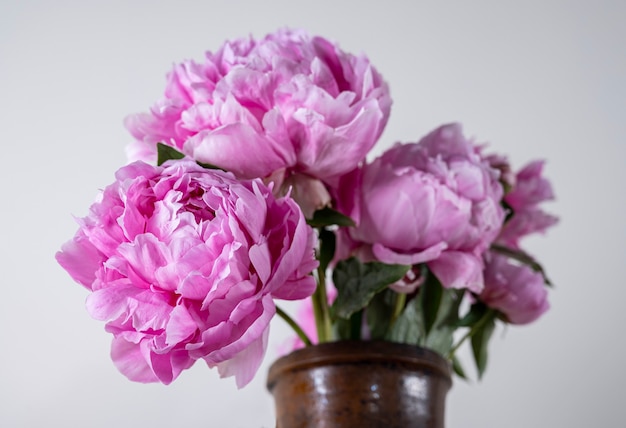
<point>387,255</point>
<point>180,326</point>
<point>456,269</point>
<point>80,259</point>
<point>246,363</point>
<point>253,320</point>
<point>146,310</point>
<point>168,367</point>
<point>130,361</point>
<point>260,259</point>
<point>145,256</point>
<point>229,148</point>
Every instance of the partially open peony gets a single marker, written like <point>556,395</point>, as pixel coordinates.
<point>184,263</point>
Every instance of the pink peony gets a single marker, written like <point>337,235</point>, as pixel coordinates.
<point>515,290</point>
<point>434,202</point>
<point>184,263</point>
<point>528,192</point>
<point>290,108</point>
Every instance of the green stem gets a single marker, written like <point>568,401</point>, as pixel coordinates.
<point>301,334</point>
<point>317,312</point>
<point>400,302</point>
<point>487,316</point>
<point>321,309</point>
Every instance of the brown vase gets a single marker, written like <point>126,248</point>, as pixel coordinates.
<point>360,384</point>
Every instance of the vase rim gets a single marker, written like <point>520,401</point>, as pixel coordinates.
<point>356,351</point>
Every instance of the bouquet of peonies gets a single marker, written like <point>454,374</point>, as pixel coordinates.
<point>249,184</point>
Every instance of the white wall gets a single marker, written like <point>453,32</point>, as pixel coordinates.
<point>536,79</point>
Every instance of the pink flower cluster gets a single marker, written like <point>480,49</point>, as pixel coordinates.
<point>441,202</point>
<point>290,108</point>
<point>184,263</point>
<point>517,291</point>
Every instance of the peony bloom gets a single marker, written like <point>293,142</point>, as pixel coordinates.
<point>290,108</point>
<point>184,264</point>
<point>528,192</point>
<point>515,290</point>
<point>434,202</point>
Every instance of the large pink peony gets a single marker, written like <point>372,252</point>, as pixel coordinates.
<point>514,289</point>
<point>290,108</point>
<point>184,264</point>
<point>434,202</point>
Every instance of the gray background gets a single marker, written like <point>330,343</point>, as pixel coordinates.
<point>535,78</point>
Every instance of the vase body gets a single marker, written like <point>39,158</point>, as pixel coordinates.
<point>360,384</point>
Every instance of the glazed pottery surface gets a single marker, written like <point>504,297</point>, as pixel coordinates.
<point>360,384</point>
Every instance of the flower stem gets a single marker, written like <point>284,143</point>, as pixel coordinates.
<point>320,308</point>
<point>400,302</point>
<point>487,316</point>
<point>301,334</point>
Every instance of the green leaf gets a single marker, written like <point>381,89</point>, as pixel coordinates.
<point>440,339</point>
<point>458,368</point>
<point>439,309</point>
<point>356,322</point>
<point>430,319</point>
<point>441,336</point>
<point>328,217</point>
<point>209,166</point>
<point>379,313</point>
<point>165,153</point>
<point>480,342</point>
<point>409,326</point>
<point>357,283</point>
<point>349,329</point>
<point>342,329</point>
<point>430,295</point>
<point>474,315</point>
<point>327,247</point>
